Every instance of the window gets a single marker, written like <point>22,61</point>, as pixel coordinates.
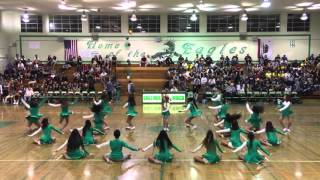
<point>145,23</point>
<point>34,24</point>
<point>223,23</point>
<point>182,23</point>
<point>105,23</point>
<point>65,23</point>
<point>296,24</point>
<point>263,23</point>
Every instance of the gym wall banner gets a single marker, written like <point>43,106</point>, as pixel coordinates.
<point>156,98</point>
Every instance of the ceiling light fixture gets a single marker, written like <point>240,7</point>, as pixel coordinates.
<point>133,17</point>
<point>244,16</point>
<point>266,4</point>
<point>25,16</point>
<point>139,26</point>
<point>63,2</point>
<point>194,16</point>
<point>304,4</point>
<point>188,26</point>
<point>304,16</point>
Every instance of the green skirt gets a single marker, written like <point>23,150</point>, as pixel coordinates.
<point>253,158</point>
<point>164,157</point>
<point>132,113</point>
<point>195,113</point>
<point>46,140</point>
<point>34,118</point>
<point>76,154</point>
<point>211,158</point>
<point>65,114</point>
<point>287,113</point>
<point>166,114</point>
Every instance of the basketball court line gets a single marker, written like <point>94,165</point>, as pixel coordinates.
<point>177,160</point>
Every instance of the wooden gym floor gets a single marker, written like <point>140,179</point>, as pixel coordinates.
<point>298,157</point>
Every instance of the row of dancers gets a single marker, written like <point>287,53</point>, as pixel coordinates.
<point>76,143</point>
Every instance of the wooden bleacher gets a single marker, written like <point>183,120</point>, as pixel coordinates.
<point>150,78</point>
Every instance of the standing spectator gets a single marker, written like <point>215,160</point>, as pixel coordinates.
<point>131,88</point>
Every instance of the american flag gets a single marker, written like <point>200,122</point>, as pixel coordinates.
<point>70,48</point>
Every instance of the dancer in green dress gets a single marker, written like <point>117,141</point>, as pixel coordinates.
<point>217,98</point>
<point>194,112</point>
<point>88,133</point>
<point>75,147</point>
<point>164,144</point>
<point>252,155</point>
<point>34,115</point>
<point>165,112</point>
<point>222,111</point>
<point>286,112</point>
<point>211,145</point>
<point>106,109</point>
<point>64,113</point>
<point>235,132</point>
<point>116,147</point>
<point>46,129</point>
<point>271,134</point>
<point>131,112</point>
<point>255,119</point>
<point>98,116</point>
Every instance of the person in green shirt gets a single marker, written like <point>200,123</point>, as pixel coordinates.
<point>106,109</point>
<point>222,111</point>
<point>286,112</point>
<point>252,155</point>
<point>34,115</point>
<point>46,129</point>
<point>235,132</point>
<point>211,145</point>
<point>75,147</point>
<point>194,112</point>
<point>164,144</point>
<point>131,112</point>
<point>98,116</point>
<point>271,135</point>
<point>64,113</point>
<point>255,119</point>
<point>116,147</point>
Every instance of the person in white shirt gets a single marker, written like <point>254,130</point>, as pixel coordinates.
<point>28,94</point>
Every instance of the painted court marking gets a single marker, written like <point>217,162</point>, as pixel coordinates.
<point>177,160</point>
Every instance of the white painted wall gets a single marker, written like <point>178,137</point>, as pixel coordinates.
<point>10,31</point>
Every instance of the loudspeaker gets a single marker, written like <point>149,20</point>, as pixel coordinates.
<point>60,39</point>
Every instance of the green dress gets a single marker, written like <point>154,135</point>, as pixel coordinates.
<point>223,111</point>
<point>255,121</point>
<point>116,146</point>
<point>194,112</point>
<point>286,112</point>
<point>235,137</point>
<point>131,111</point>
<point>211,155</point>
<point>98,121</point>
<point>164,155</point>
<point>272,136</point>
<point>88,137</point>
<point>65,111</point>
<point>77,154</point>
<point>45,137</point>
<point>34,114</point>
<point>105,107</point>
<point>252,155</point>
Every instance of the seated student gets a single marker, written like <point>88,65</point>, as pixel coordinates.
<point>211,145</point>
<point>271,135</point>
<point>46,129</point>
<point>88,133</point>
<point>164,144</point>
<point>143,62</point>
<point>75,147</point>
<point>252,155</point>
<point>116,146</point>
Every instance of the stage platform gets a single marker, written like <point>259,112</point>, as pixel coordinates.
<point>298,156</point>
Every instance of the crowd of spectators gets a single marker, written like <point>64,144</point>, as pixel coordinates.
<point>23,77</point>
<point>278,74</point>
